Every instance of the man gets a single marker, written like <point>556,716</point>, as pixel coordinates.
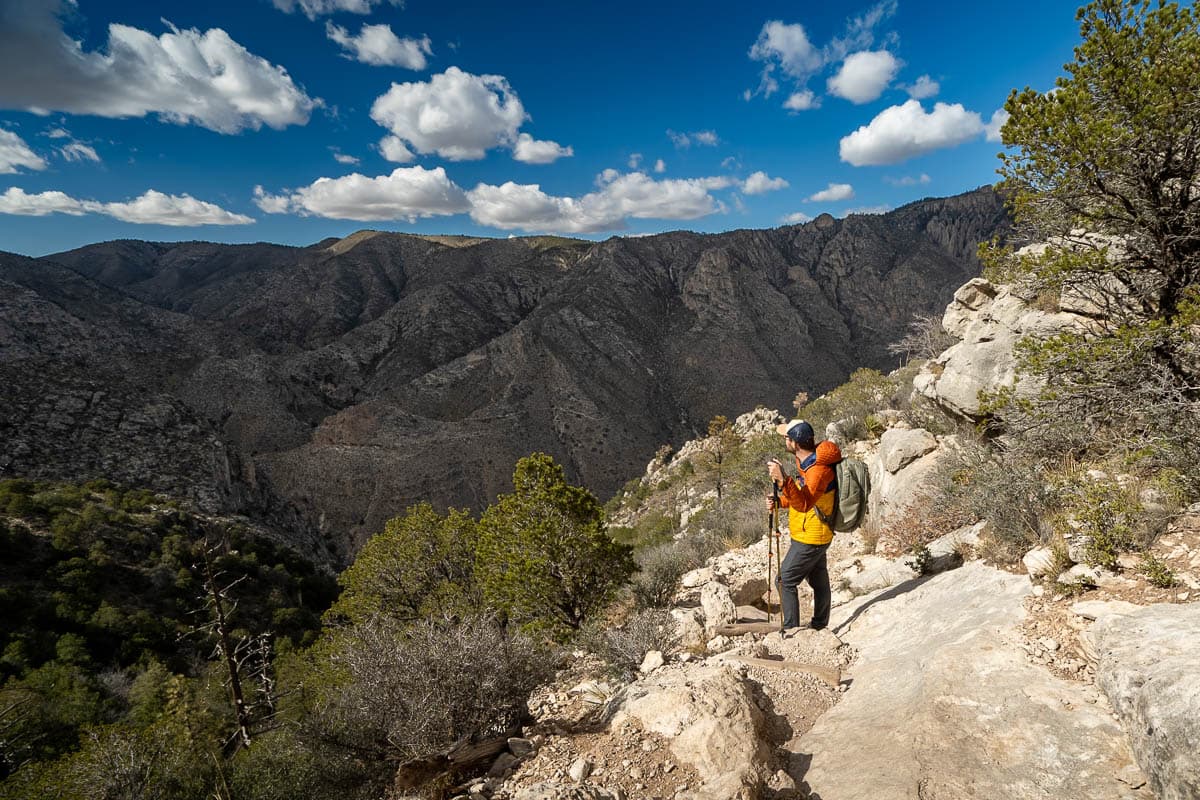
<point>809,499</point>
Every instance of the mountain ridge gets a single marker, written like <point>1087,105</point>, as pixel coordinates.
<point>338,385</point>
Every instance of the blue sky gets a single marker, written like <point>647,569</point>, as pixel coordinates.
<point>293,120</point>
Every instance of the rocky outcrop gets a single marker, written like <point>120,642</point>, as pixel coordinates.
<point>943,706</point>
<point>1147,666</point>
<point>989,320</point>
<point>709,717</point>
<point>320,371</point>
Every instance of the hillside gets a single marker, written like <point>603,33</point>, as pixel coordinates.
<point>327,388</point>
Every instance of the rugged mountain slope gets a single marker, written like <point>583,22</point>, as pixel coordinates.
<point>348,379</point>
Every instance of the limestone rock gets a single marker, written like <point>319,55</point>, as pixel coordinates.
<point>1148,668</point>
<point>898,447</point>
<point>709,716</point>
<point>953,708</point>
<point>652,661</point>
<point>1039,561</point>
<point>719,609</point>
<point>689,627</point>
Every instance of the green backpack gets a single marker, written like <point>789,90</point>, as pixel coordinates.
<point>850,502</point>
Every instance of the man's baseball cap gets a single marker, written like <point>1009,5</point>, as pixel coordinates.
<point>798,431</point>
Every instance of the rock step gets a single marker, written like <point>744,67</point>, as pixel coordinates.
<point>742,628</point>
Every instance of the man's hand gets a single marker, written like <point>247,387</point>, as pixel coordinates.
<point>775,470</point>
<point>770,504</point>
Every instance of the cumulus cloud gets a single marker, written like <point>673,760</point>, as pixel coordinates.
<point>618,198</point>
<point>379,46</point>
<point>832,193</point>
<point>459,116</point>
<point>343,158</point>
<point>802,100</point>
<point>183,76</point>
<point>57,133</point>
<point>906,131</point>
<point>533,151</point>
<point>787,52</point>
<point>635,160</point>
<point>152,208</point>
<point>317,8</point>
<point>16,201</point>
<point>881,209</point>
<point>683,141</point>
<point>924,87</point>
<point>408,193</point>
<point>863,76</point>
<point>759,183</point>
<point>78,151</point>
<point>796,218</point>
<point>660,166</point>
<point>392,148</point>
<point>15,154</point>
<point>992,129</point>
<point>908,180</point>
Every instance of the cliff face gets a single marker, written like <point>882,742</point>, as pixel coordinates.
<point>341,382</point>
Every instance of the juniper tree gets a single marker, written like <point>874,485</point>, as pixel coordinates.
<point>544,557</point>
<point>1105,169</point>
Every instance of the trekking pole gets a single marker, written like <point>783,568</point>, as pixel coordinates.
<point>770,552</point>
<point>778,559</point>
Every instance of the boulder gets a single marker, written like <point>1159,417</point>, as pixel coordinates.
<point>718,606</point>
<point>689,628</point>
<point>1039,561</point>
<point>945,705</point>
<point>899,447</point>
<point>708,715</point>
<point>652,661</point>
<point>1148,668</point>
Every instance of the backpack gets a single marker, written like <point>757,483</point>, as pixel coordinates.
<point>850,501</point>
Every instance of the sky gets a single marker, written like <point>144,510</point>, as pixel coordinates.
<point>291,121</point>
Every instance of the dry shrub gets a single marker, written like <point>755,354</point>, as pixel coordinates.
<point>624,647</point>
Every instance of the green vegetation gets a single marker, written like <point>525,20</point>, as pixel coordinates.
<point>1105,169</point>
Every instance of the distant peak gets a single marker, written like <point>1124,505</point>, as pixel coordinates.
<point>824,221</point>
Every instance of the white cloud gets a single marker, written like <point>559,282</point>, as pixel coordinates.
<point>683,141</point>
<point>788,46</point>
<point>316,8</point>
<point>924,87</point>
<point>618,198</point>
<point>58,133</point>
<point>907,180</point>
<point>832,193</point>
<point>796,218</point>
<point>78,151</point>
<point>343,158</point>
<point>759,183</point>
<point>992,129</point>
<point>15,154</point>
<point>183,76</point>
<point>787,51</point>
<point>407,193</point>
<point>393,149</point>
<point>660,166</point>
<point>533,151</point>
<point>379,46</point>
<point>156,208</point>
<point>16,201</point>
<point>271,203</point>
<point>460,116</point>
<point>905,131</point>
<point>863,76</point>
<point>635,160</point>
<point>803,100</point>
<point>152,208</point>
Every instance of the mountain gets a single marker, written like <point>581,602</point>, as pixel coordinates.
<point>325,388</point>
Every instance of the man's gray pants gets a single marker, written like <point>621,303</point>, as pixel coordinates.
<point>804,562</point>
